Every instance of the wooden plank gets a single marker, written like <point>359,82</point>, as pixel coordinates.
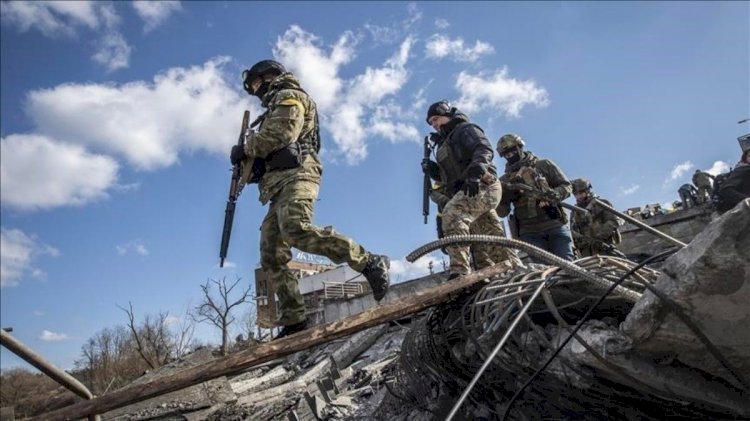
<point>245,359</point>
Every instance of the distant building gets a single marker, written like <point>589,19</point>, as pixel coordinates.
<point>318,282</point>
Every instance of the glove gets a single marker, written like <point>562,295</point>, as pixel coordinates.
<point>430,167</point>
<point>471,187</point>
<point>435,138</point>
<point>237,155</point>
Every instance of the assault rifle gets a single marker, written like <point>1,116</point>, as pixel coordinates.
<point>427,183</point>
<point>235,188</point>
<point>542,195</point>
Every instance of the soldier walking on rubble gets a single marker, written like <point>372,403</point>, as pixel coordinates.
<point>470,188</point>
<point>541,222</point>
<point>287,142</point>
<point>702,180</point>
<point>688,194</point>
<point>596,232</point>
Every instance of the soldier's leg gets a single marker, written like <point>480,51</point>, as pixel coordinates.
<point>274,256</point>
<point>561,242</point>
<point>458,215</point>
<point>486,255</point>
<point>295,213</point>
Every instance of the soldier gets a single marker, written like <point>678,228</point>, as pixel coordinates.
<point>540,222</point>
<point>598,231</point>
<point>702,180</point>
<point>688,195</point>
<point>468,177</point>
<point>287,143</point>
<point>736,186</point>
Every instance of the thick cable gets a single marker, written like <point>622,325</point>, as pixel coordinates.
<point>530,249</point>
<point>499,346</point>
<point>578,327</point>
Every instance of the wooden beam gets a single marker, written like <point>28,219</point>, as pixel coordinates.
<point>242,360</point>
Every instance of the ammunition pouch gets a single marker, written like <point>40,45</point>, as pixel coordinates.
<point>258,169</point>
<point>288,157</point>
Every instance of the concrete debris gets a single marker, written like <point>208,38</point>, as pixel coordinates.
<point>629,361</point>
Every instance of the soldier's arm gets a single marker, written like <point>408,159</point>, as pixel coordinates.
<point>608,225</point>
<point>557,179</point>
<point>281,127</point>
<point>481,152</point>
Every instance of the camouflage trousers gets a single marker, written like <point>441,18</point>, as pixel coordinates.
<point>476,215</point>
<point>289,224</point>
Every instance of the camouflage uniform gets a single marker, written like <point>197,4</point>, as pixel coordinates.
<point>488,224</point>
<point>545,227</point>
<point>290,119</point>
<point>702,180</point>
<point>464,152</point>
<point>596,232</point>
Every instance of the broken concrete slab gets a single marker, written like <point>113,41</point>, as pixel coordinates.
<point>710,280</point>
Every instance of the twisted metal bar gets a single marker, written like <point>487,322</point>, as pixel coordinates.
<point>465,240</point>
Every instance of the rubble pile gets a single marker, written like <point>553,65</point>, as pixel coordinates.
<point>628,361</point>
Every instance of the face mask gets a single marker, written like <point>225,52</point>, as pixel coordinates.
<point>515,158</point>
<point>262,89</point>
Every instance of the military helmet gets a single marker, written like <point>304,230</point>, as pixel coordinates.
<point>509,142</point>
<point>440,108</point>
<point>261,68</point>
<point>581,185</point>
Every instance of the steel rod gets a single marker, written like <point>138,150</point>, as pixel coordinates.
<point>640,224</point>
<point>497,349</point>
<point>46,367</point>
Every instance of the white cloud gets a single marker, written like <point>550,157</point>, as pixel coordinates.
<point>626,191</point>
<point>154,13</point>
<point>440,46</point>
<point>37,172</point>
<point>148,123</point>
<point>389,34</point>
<point>56,18</point>
<point>678,171</point>
<point>402,270</point>
<point>441,23</point>
<point>172,320</point>
<point>38,313</point>
<point>51,18</point>
<point>498,92</point>
<point>17,254</point>
<point>50,336</point>
<point>719,167</point>
<point>348,107</point>
<point>135,246</point>
<point>318,71</point>
<point>113,52</point>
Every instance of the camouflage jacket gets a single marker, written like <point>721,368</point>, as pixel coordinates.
<point>702,179</point>
<point>541,174</point>
<point>595,232</point>
<point>290,117</point>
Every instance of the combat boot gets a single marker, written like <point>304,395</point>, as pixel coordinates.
<point>376,273</point>
<point>291,329</point>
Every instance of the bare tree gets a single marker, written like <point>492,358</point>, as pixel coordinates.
<point>218,310</point>
<point>155,341</point>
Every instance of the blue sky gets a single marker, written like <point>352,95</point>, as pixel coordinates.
<point>117,120</point>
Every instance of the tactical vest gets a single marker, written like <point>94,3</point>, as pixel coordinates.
<point>452,173</point>
<point>292,155</point>
<point>529,175</point>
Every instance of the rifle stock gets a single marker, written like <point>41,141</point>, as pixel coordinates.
<point>235,188</point>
